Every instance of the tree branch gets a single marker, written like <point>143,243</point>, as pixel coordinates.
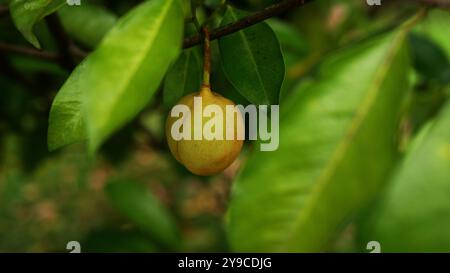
<point>62,40</point>
<point>39,54</point>
<point>248,21</point>
<point>4,10</point>
<point>28,51</point>
<point>445,4</point>
<point>243,23</point>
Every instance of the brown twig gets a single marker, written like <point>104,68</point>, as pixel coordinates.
<point>243,23</point>
<point>39,54</point>
<point>206,57</point>
<point>28,51</point>
<point>78,52</point>
<point>445,4</point>
<point>248,21</point>
<point>4,10</point>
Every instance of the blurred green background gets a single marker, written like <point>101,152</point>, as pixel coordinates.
<point>50,198</point>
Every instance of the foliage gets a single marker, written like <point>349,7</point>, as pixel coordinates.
<point>252,60</point>
<point>400,221</point>
<point>323,187</point>
<point>90,106</point>
<point>364,136</point>
<point>27,13</point>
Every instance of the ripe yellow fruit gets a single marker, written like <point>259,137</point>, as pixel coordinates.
<point>206,157</point>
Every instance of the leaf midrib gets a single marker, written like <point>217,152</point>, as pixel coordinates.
<point>247,45</point>
<point>344,145</point>
<point>148,44</point>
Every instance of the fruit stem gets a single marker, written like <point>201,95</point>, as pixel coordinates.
<point>206,58</point>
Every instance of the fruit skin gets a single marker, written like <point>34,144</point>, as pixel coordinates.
<point>205,157</point>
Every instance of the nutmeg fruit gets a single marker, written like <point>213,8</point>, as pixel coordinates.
<point>207,157</point>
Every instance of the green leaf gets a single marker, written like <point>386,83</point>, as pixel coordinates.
<point>252,60</point>
<point>414,214</point>
<point>221,85</point>
<point>26,13</point>
<point>336,149</point>
<point>219,82</point>
<point>183,78</point>
<point>87,23</point>
<point>430,60</point>
<point>118,79</point>
<point>435,26</point>
<point>67,124</point>
<point>141,207</point>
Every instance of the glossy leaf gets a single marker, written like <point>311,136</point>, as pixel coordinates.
<point>117,80</point>
<point>141,207</point>
<point>87,23</point>
<point>67,123</point>
<point>336,149</point>
<point>414,214</point>
<point>26,13</point>
<point>221,85</point>
<point>219,82</point>
<point>252,60</point>
<point>183,78</point>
